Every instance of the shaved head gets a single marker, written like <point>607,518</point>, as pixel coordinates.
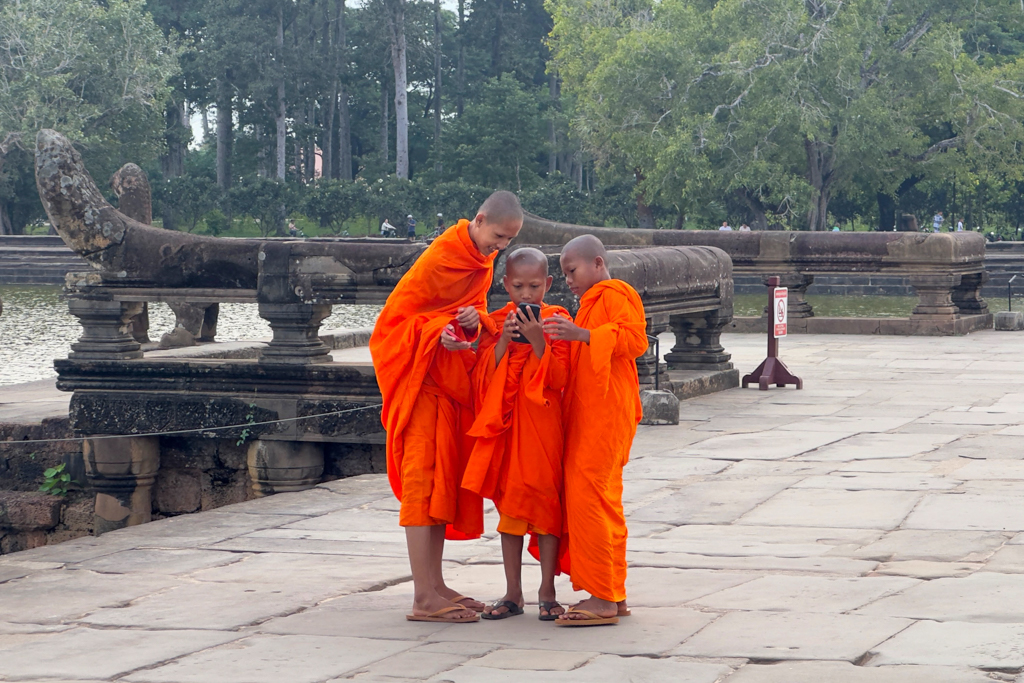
<point>585,247</point>
<point>526,258</point>
<point>502,207</point>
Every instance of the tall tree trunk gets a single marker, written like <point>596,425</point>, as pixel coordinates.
<point>344,122</point>
<point>396,24</point>
<point>499,30</point>
<point>552,131</point>
<point>886,212</point>
<point>172,164</point>
<point>310,154</point>
<point>332,102</point>
<point>460,69</point>
<point>437,85</point>
<point>261,151</point>
<point>225,133</point>
<point>385,120</point>
<point>820,160</point>
<point>644,214</point>
<point>6,227</point>
<point>282,109</point>
<point>206,124</point>
<point>757,209</point>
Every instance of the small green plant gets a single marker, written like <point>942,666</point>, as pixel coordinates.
<point>250,418</point>
<point>56,481</point>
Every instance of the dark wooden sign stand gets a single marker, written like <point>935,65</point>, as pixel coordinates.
<point>772,370</point>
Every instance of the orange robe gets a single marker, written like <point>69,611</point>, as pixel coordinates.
<point>517,458</point>
<point>602,410</point>
<point>428,396</point>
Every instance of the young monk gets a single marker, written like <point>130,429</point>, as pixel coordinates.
<point>422,355</point>
<point>517,458</point>
<point>602,410</point>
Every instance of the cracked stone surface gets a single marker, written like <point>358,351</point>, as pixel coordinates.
<point>867,529</point>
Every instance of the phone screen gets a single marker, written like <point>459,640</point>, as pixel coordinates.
<point>518,337</point>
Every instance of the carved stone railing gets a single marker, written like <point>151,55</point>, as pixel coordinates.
<point>293,403</point>
<point>946,270</point>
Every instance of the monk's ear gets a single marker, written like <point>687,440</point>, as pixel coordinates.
<point>547,284</point>
<point>480,219</point>
<point>599,262</point>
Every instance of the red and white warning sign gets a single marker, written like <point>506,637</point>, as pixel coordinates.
<point>780,313</point>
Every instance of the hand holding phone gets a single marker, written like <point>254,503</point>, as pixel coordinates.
<point>528,318</point>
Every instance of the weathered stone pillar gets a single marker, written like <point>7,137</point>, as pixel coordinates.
<point>967,295</point>
<point>106,329</point>
<point>699,342</point>
<point>935,295</point>
<point>797,283</point>
<point>122,471</point>
<point>648,365</point>
<point>281,466</point>
<point>296,329</point>
<point>192,323</point>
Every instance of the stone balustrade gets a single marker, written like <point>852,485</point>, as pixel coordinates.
<point>946,270</point>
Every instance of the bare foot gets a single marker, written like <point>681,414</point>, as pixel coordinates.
<point>436,603</point>
<point>623,608</point>
<point>601,608</point>
<point>463,601</point>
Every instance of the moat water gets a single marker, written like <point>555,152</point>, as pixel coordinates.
<point>36,327</point>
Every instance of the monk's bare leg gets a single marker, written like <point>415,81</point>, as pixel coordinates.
<point>426,600</point>
<point>548,566</point>
<point>436,562</point>
<point>512,559</point>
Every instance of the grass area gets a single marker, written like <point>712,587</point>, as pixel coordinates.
<point>828,306</point>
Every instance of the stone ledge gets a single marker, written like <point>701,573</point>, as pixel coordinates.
<point>880,326</point>
<point>692,383</point>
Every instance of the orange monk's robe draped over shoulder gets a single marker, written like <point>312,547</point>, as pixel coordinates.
<point>428,396</point>
<point>517,458</point>
<point>602,410</point>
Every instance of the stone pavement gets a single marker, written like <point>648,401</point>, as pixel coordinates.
<point>869,528</point>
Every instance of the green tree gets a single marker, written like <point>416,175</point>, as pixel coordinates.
<point>189,198</point>
<point>97,72</point>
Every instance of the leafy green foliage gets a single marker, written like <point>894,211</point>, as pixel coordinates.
<point>56,481</point>
<point>189,199</point>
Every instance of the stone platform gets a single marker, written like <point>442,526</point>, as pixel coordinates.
<point>869,528</point>
<point>912,326</point>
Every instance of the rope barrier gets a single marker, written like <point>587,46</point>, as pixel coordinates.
<point>196,431</point>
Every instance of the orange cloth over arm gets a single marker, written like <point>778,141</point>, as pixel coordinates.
<point>517,458</point>
<point>602,410</point>
<point>426,390</point>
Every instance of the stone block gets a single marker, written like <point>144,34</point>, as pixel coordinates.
<point>178,491</point>
<point>659,407</point>
<point>24,511</point>
<point>1009,321</point>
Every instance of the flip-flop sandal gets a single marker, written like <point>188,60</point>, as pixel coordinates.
<point>439,616</point>
<point>624,612</point>
<point>591,619</point>
<point>547,607</point>
<point>458,601</point>
<point>514,610</point>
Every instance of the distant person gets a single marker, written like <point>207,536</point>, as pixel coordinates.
<point>725,227</point>
<point>937,222</point>
<point>293,231</point>
<point>835,228</point>
<point>410,226</point>
<point>960,225</point>
<point>440,224</point>
<point>744,228</point>
<point>388,230</point>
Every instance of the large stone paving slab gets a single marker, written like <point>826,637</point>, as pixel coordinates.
<point>993,512</point>
<point>937,546</point>
<point>713,502</point>
<point>844,672</point>
<point>85,653</point>
<point>877,446</point>
<point>59,595</point>
<point>791,635</point>
<point>605,668</point>
<point>780,593</point>
<point>773,445</point>
<point>273,659</point>
<point>996,647</point>
<point>744,541</point>
<point>822,507</point>
<point>984,596</point>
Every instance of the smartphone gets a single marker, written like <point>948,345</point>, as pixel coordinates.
<point>518,337</point>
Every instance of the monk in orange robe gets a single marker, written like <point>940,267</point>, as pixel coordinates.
<point>602,410</point>
<point>422,356</point>
<point>517,458</point>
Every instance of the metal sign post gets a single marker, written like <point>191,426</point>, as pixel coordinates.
<point>773,370</point>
